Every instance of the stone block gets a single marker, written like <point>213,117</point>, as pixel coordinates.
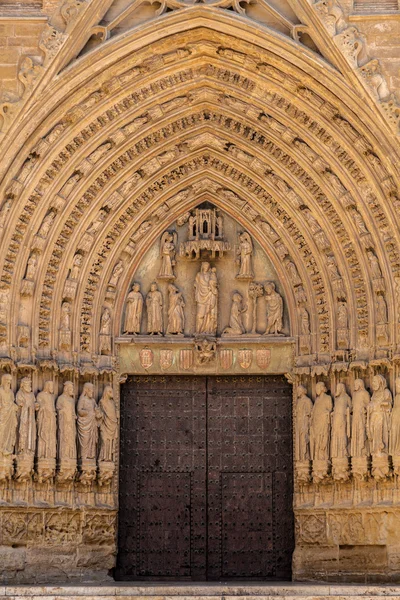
<point>12,559</point>
<point>312,563</point>
<point>96,558</point>
<point>357,559</point>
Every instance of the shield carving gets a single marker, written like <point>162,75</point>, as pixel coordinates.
<point>146,357</point>
<point>226,358</point>
<point>244,358</point>
<point>263,357</point>
<point>166,358</point>
<point>186,359</point>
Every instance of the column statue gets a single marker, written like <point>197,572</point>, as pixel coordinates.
<point>340,434</point>
<point>320,432</point>
<point>378,426</point>
<point>46,449</point>
<point>66,435</point>
<point>394,437</point>
<point>359,449</point>
<point>108,435</point>
<point>88,421</point>
<point>26,438</point>
<point>8,427</point>
<point>304,407</point>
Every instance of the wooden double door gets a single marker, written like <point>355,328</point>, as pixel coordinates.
<point>205,478</point>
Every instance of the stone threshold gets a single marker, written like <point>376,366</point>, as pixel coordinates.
<point>196,591</point>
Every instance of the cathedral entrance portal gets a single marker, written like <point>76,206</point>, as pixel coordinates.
<point>205,478</point>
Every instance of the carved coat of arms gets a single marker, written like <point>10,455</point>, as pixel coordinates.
<point>186,359</point>
<point>245,358</point>
<point>146,357</point>
<point>226,358</point>
<point>166,359</point>
<point>263,357</point>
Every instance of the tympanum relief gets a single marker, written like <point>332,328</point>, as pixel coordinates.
<point>206,285</point>
<point>208,277</point>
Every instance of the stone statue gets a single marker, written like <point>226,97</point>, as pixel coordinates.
<point>8,417</point>
<point>359,439</point>
<point>320,430</point>
<point>66,417</point>
<point>134,309</point>
<point>304,407</point>
<point>76,266</point>
<point>31,266</point>
<point>46,225</point>
<point>154,305</point>
<point>394,438</point>
<point>88,416</point>
<point>340,434</point>
<point>245,253</point>
<point>342,316</point>
<point>176,317</point>
<point>116,274</point>
<point>25,399</point>
<point>96,225</point>
<point>374,264</point>
<point>167,255</point>
<point>65,318</point>
<point>46,422</point>
<point>378,426</point>
<point>65,326</point>
<point>206,296</point>
<point>105,332</point>
<point>274,309</point>
<point>236,326</point>
<point>108,426</point>
<point>293,273</point>
<point>304,321</point>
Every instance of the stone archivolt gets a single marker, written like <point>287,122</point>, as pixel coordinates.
<point>197,118</point>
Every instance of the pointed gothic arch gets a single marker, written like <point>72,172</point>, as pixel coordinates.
<point>151,124</point>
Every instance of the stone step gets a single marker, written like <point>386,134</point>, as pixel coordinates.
<point>197,591</point>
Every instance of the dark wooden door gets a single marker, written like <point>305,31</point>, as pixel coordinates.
<point>205,478</point>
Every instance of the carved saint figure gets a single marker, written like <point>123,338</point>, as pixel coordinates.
<point>46,225</point>
<point>304,321</point>
<point>320,427</point>
<point>154,305</point>
<point>76,266</point>
<point>108,425</point>
<point>25,399</point>
<point>176,317</point>
<point>65,318</point>
<point>379,417</point>
<point>167,255</point>
<point>88,416</point>
<point>394,446</point>
<point>374,263</point>
<point>8,417</point>
<point>134,309</point>
<point>236,326</point>
<point>342,316</point>
<point>274,304</point>
<point>31,266</point>
<point>340,434</point>
<point>381,310</point>
<point>105,332</point>
<point>206,296</point>
<point>116,274</point>
<point>304,409</point>
<point>245,252</point>
<point>66,418</point>
<point>361,399</point>
<point>46,422</point>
